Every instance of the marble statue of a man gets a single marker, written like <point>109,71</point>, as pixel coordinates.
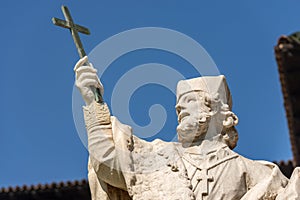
<point>200,166</point>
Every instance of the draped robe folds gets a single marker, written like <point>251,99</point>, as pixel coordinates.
<point>124,167</point>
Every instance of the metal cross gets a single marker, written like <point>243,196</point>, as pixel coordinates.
<point>203,180</point>
<point>74,29</point>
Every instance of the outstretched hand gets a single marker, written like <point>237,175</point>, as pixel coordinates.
<point>85,78</point>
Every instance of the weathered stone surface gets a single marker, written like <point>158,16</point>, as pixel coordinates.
<point>201,166</point>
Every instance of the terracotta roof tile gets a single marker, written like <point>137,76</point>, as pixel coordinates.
<point>53,191</point>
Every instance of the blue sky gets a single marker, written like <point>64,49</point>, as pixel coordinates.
<point>38,139</point>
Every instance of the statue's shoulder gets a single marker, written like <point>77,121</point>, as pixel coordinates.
<point>258,163</point>
<point>259,169</point>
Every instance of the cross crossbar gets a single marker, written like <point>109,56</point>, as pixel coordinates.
<point>69,25</point>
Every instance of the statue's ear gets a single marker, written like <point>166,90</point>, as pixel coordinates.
<point>230,120</point>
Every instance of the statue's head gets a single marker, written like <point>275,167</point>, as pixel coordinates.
<point>204,111</point>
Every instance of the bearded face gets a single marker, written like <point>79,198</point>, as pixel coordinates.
<point>193,118</point>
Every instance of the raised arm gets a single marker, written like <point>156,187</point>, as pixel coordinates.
<point>101,146</point>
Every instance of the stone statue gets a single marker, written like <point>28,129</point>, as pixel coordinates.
<point>200,166</point>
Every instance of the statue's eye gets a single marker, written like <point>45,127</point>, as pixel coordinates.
<point>191,100</point>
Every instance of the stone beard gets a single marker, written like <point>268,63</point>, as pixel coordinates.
<point>201,166</point>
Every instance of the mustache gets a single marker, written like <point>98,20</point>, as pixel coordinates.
<point>185,115</point>
<point>190,125</point>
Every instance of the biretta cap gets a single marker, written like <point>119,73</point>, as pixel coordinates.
<point>208,84</point>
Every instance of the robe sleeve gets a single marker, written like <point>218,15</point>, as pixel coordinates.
<point>264,180</point>
<point>105,152</point>
<point>103,156</point>
<point>292,190</point>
